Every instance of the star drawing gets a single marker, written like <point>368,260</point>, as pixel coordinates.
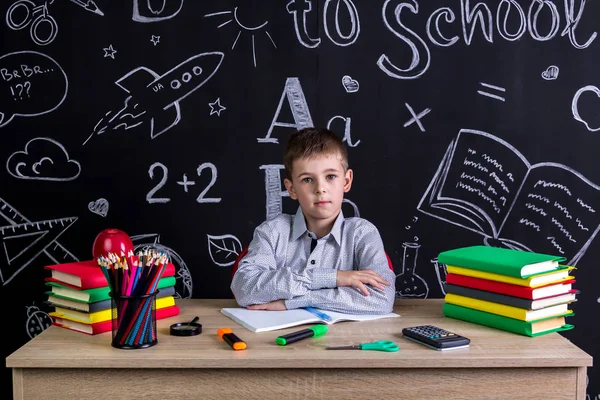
<point>216,107</point>
<point>109,52</point>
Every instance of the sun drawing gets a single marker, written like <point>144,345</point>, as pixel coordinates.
<point>233,17</point>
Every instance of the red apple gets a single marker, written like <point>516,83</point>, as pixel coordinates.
<point>111,241</point>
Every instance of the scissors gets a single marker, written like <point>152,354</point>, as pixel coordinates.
<point>382,345</point>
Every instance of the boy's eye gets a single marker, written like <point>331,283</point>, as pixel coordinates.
<point>307,180</point>
<point>331,177</point>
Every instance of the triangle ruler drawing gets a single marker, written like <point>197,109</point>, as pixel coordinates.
<point>22,241</point>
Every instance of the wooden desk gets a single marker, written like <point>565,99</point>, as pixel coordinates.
<point>61,364</point>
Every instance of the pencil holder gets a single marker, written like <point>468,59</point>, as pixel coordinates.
<point>134,321</point>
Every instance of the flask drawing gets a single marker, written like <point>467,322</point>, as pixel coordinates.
<point>440,272</point>
<point>408,283</point>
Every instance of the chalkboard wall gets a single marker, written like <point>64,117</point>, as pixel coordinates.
<point>466,123</point>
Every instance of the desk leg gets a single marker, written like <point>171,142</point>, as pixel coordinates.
<point>17,379</point>
<point>581,383</point>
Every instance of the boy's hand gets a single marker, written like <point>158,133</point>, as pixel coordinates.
<point>358,279</point>
<point>277,305</point>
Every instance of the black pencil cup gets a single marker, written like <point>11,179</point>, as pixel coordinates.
<point>134,321</point>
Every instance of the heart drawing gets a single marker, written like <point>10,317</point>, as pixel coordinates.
<point>99,207</point>
<point>551,73</point>
<point>351,85</point>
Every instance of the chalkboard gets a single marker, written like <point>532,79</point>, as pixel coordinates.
<point>466,123</point>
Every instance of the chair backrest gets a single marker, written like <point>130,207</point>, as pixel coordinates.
<point>245,251</point>
<point>238,259</point>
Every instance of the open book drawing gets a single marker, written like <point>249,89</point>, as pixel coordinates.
<point>263,321</point>
<point>485,185</point>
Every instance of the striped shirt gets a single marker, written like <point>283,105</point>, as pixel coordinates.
<point>280,265</point>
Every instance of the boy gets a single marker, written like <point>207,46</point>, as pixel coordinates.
<point>316,257</point>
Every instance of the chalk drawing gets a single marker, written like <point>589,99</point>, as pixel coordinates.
<point>417,66</point>
<point>23,241</point>
<point>551,73</point>
<point>575,106</point>
<point>37,85</point>
<point>183,278</point>
<point>337,36</point>
<point>416,117</point>
<point>37,321</point>
<point>349,84</point>
<point>216,107</point>
<point>43,29</point>
<point>109,52</point>
<point>146,11</point>
<point>99,207</point>
<point>233,16</point>
<point>488,86</point>
<point>150,196</point>
<point>43,159</point>
<point>332,16</point>
<point>542,21</point>
<point>88,5</point>
<point>408,283</point>
<point>293,93</point>
<point>161,93</point>
<point>300,9</point>
<point>223,249</point>
<point>347,128</point>
<point>485,185</point>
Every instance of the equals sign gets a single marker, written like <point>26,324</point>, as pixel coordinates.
<point>493,96</point>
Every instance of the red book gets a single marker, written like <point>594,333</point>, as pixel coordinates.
<point>512,290</point>
<point>86,274</point>
<point>106,326</point>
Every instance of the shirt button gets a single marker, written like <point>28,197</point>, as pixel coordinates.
<point>312,261</point>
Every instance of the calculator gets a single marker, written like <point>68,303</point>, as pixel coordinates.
<point>436,338</point>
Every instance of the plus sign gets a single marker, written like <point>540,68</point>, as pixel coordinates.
<point>185,183</point>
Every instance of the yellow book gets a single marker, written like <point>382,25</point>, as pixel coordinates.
<point>101,316</point>
<point>532,281</point>
<point>521,314</point>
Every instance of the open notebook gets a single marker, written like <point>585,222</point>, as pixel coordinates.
<point>263,321</point>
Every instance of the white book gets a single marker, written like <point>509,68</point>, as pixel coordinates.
<point>263,321</point>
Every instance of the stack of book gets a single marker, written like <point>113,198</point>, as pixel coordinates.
<point>517,291</point>
<point>80,295</point>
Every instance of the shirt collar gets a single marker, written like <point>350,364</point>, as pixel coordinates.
<point>299,226</point>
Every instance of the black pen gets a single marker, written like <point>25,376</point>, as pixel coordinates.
<point>313,331</point>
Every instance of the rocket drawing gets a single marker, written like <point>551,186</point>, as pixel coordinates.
<point>155,98</point>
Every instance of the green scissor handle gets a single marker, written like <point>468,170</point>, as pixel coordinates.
<point>382,345</point>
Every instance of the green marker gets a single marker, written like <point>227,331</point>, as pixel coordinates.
<point>313,331</point>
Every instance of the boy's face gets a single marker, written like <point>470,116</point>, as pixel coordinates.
<point>319,184</point>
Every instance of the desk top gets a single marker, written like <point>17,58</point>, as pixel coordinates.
<point>490,348</point>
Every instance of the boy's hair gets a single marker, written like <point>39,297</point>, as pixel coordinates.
<point>310,142</point>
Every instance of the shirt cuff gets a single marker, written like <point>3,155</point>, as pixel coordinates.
<point>297,302</point>
<point>322,278</point>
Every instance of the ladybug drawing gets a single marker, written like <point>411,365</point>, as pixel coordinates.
<point>37,321</point>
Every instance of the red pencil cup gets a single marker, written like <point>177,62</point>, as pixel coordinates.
<point>134,321</point>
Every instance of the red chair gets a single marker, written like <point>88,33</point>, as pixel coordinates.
<point>245,251</point>
<point>238,259</point>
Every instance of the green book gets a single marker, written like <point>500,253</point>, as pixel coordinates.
<point>530,328</point>
<point>502,261</point>
<point>95,294</point>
